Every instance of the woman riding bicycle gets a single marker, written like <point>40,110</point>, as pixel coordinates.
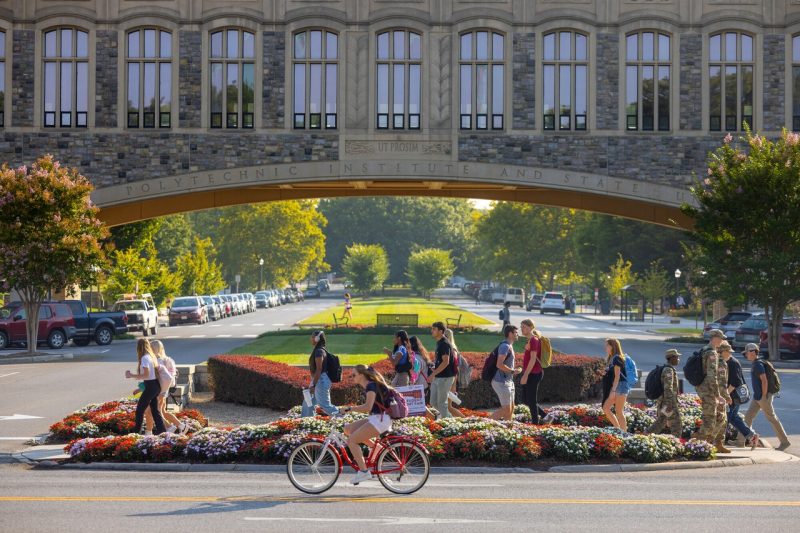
<point>379,421</point>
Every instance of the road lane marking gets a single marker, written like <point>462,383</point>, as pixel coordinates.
<point>384,520</point>
<point>6,375</point>
<point>250,336</point>
<point>18,417</point>
<point>17,438</point>
<point>172,337</point>
<point>223,336</point>
<point>278,324</point>
<point>259,324</point>
<point>197,336</point>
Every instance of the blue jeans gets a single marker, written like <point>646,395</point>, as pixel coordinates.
<point>321,397</point>
<point>736,420</point>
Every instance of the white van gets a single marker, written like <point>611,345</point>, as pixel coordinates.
<point>514,295</point>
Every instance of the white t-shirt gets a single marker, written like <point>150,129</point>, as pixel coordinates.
<point>148,368</point>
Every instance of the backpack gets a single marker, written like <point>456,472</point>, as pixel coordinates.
<point>502,314</point>
<point>631,372</point>
<point>653,387</point>
<point>166,373</point>
<point>490,365</point>
<point>333,367</point>
<point>545,350</point>
<point>464,371</point>
<point>693,369</point>
<point>396,406</point>
<point>419,371</point>
<point>773,380</point>
<point>405,364</point>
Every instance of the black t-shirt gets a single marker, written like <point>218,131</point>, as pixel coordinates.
<point>317,355</point>
<point>443,348</point>
<point>735,375</point>
<point>380,396</point>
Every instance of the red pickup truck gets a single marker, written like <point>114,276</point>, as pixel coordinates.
<point>56,325</point>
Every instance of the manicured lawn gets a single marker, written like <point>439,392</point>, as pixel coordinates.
<point>365,311</point>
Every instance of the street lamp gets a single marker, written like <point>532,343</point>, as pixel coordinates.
<point>260,272</point>
<point>677,277</point>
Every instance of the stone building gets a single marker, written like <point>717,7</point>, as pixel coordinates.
<point>607,105</point>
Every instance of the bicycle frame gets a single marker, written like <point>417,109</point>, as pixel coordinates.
<point>337,442</point>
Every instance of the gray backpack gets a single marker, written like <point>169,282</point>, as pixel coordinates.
<point>464,372</point>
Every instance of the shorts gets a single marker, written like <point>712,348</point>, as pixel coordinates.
<point>623,388</point>
<point>382,423</point>
<point>504,391</point>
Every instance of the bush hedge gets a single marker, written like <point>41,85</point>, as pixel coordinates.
<point>252,380</point>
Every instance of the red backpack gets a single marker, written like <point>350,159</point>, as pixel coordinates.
<point>396,406</point>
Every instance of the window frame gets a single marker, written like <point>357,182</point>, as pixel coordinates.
<point>323,61</point>
<point>724,63</point>
<point>554,121</point>
<point>241,122</point>
<point>794,88</point>
<point>405,120</point>
<point>59,60</point>
<point>636,122</point>
<point>141,60</point>
<point>471,121</point>
<point>3,39</point>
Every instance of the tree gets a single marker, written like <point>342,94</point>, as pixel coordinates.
<point>174,238</point>
<point>619,275</point>
<point>654,283</point>
<point>198,269</point>
<point>366,266</point>
<point>49,234</point>
<point>134,234</point>
<point>138,270</point>
<point>428,268</point>
<point>747,216</point>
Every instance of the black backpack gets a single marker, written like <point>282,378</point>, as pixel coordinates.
<point>333,367</point>
<point>653,388</point>
<point>693,369</point>
<point>773,380</point>
<point>490,365</point>
<point>502,315</point>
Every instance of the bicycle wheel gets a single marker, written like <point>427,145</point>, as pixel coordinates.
<point>404,467</point>
<point>313,468</point>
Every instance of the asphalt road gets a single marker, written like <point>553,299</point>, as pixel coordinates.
<point>764,498</point>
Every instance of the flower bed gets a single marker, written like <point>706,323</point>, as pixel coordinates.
<point>256,381</point>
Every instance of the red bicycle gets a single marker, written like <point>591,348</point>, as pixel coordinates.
<point>402,464</point>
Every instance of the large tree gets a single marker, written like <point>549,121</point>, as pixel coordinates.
<point>174,237</point>
<point>428,269</point>
<point>747,216</point>
<point>139,270</point>
<point>198,269</point>
<point>366,266</point>
<point>49,234</point>
<point>654,283</point>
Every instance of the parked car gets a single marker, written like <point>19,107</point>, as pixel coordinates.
<point>312,292</point>
<point>250,299</point>
<point>789,344</point>
<point>141,311</point>
<point>323,285</point>
<point>274,298</point>
<point>212,309</point>
<point>485,295</point>
<point>298,294</point>
<point>224,307</point>
<point>187,309</point>
<point>56,325</point>
<point>552,302</point>
<point>511,294</point>
<point>728,323</point>
<point>237,303</point>
<point>99,327</point>
<point>262,302</point>
<point>750,331</point>
<point>535,302</point>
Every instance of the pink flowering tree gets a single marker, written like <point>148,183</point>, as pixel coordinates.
<point>746,238</point>
<point>49,234</point>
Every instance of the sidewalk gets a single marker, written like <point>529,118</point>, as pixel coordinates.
<point>651,322</point>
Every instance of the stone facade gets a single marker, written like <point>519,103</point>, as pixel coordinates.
<point>106,79</point>
<point>691,78</point>
<point>607,86</point>
<point>774,82</point>
<point>22,86</point>
<point>274,90</point>
<point>190,78</point>
<point>524,84</point>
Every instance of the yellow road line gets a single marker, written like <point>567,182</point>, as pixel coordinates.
<point>401,500</point>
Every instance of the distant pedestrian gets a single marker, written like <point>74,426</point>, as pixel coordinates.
<point>147,371</point>
<point>166,378</point>
<point>567,301</point>
<point>320,387</point>
<point>348,307</point>
<point>532,372</point>
<point>400,357</point>
<point>667,412</point>
<point>713,392</point>
<point>739,394</point>
<point>619,388</point>
<point>503,381</point>
<point>763,395</point>
<point>572,305</point>
<point>505,316</point>
<point>443,374</point>
<point>680,303</point>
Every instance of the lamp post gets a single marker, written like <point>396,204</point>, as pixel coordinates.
<point>95,269</point>
<point>260,272</point>
<point>677,277</point>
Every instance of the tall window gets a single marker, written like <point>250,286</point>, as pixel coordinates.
<point>2,78</point>
<point>316,70</point>
<point>149,78</point>
<point>66,78</point>
<point>796,83</point>
<point>565,80</point>
<point>730,74</point>
<point>647,81</point>
<point>232,78</point>
<point>399,54</point>
<point>482,69</point>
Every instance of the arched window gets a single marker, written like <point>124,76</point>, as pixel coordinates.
<point>399,71</point>
<point>565,86</point>
<point>316,71</point>
<point>232,68</point>
<point>66,78</point>
<point>730,76</point>
<point>149,59</point>
<point>2,78</point>
<point>482,68</point>
<point>647,81</point>
<point>796,83</point>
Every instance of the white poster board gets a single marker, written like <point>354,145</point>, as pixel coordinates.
<point>415,399</point>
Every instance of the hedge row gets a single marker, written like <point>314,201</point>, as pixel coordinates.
<point>252,380</point>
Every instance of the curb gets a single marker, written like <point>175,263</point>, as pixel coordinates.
<point>658,467</point>
<point>37,359</point>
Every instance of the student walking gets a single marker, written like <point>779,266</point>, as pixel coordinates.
<point>503,381</point>
<point>763,394</point>
<point>505,315</point>
<point>400,357</point>
<point>146,370</point>
<point>451,407</point>
<point>532,372</point>
<point>422,362</point>
<point>320,387</point>
<point>166,378</point>
<point>443,374</point>
<point>667,412</point>
<point>348,307</point>
<point>739,394</point>
<point>619,388</point>
<point>713,392</point>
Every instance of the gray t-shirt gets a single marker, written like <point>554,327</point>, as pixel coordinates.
<point>505,353</point>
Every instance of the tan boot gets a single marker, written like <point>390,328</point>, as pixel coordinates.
<point>721,447</point>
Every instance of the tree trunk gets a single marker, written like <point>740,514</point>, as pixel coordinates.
<point>774,315</point>
<point>31,304</point>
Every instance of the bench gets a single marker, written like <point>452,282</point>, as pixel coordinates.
<point>338,322</point>
<point>397,319</point>
<point>453,322</point>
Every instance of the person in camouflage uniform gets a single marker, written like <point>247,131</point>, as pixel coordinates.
<point>713,392</point>
<point>667,405</point>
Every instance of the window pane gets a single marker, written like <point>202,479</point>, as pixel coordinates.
<point>2,43</point>
<point>216,88</point>
<point>466,46</point>
<point>796,49</point>
<point>315,86</point>
<point>647,46</point>
<point>466,89</point>
<point>482,89</point>
<point>565,45</point>
<point>564,90</point>
<point>133,87</point>
<point>415,45</point>
<point>414,89</point>
<point>165,51</point>
<point>50,44</point>
<point>399,45</point>
<point>300,45</point>
<point>149,102</point>
<point>216,44</point>
<point>383,45</point>
<point>299,88</point>
<point>248,88</point>
<point>66,43</point>
<point>731,95</point>
<point>796,91</point>
<point>331,75</point>
<point>82,87</point>
<point>747,48</point>
<point>549,89</point>
<point>398,96</point>
<point>663,98</point>
<point>248,45</point>
<point>332,46</point>
<point>747,93</point>
<point>232,84</point>
<point>715,86</point>
<point>580,47</point>
<point>133,44</point>
<point>232,44</point>
<point>714,53</point>
<point>663,47</point>
<point>648,98</point>
<point>580,90</point>
<point>730,47</point>
<point>482,45</point>
<point>165,87</point>
<point>550,46</point>
<point>66,87</point>
<point>315,45</point>
<point>82,44</point>
<point>149,43</point>
<point>497,89</point>
<point>383,88</point>
<point>497,46</point>
<point>632,47</point>
<point>50,86</point>
<point>631,91</point>
<point>2,85</point>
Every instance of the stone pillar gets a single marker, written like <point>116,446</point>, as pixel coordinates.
<point>357,81</point>
<point>441,76</point>
<point>691,82</point>
<point>106,75</point>
<point>22,78</point>
<point>190,79</point>
<point>774,95</point>
<point>607,81</point>
<point>273,95</point>
<point>524,81</point>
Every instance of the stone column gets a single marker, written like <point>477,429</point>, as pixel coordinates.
<point>607,81</point>
<point>774,94</point>
<point>190,79</point>
<point>273,92</point>
<point>691,82</point>
<point>22,69</point>
<point>106,76</point>
<point>524,81</point>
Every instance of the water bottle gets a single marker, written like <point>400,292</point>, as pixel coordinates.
<point>454,398</point>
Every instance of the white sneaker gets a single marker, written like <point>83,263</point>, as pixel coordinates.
<point>361,475</point>
<point>148,433</point>
<point>172,429</point>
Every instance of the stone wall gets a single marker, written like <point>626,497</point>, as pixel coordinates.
<point>524,83</point>
<point>190,79</point>
<point>607,86</point>
<point>774,96</point>
<point>691,76</point>
<point>22,78</point>
<point>273,93</point>
<point>105,111</point>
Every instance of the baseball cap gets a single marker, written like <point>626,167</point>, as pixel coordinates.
<point>717,333</point>
<point>750,347</point>
<point>672,352</point>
